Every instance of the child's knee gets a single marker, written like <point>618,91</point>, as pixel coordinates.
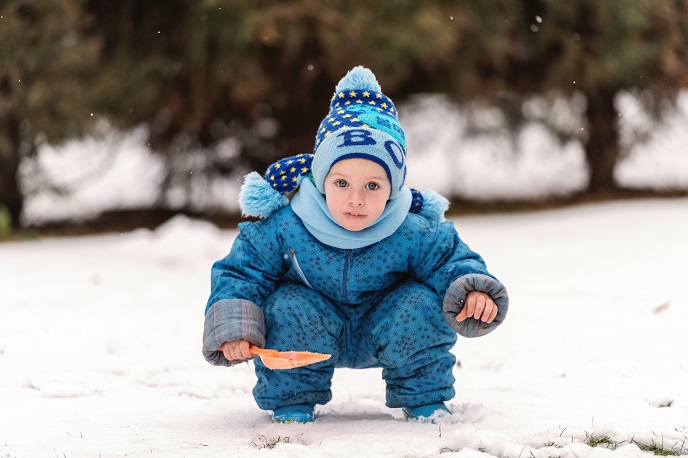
<point>296,307</point>
<point>410,322</point>
<point>293,299</point>
<point>416,301</point>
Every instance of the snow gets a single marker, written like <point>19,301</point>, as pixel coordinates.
<point>97,171</point>
<point>100,348</point>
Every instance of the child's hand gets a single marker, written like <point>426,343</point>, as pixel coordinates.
<point>480,306</point>
<point>236,350</point>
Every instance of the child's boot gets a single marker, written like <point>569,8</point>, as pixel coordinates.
<point>423,413</point>
<point>297,413</point>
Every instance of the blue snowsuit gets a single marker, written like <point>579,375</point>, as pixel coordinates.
<point>391,304</point>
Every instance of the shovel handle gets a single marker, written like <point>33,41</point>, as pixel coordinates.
<point>263,351</point>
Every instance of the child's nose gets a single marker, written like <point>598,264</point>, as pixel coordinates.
<point>355,198</point>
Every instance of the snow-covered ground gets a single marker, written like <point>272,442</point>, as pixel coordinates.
<point>100,349</point>
<point>100,336</point>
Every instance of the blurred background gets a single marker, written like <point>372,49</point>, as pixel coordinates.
<point>120,114</point>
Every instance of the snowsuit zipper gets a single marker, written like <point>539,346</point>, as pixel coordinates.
<point>295,262</point>
<point>345,274</point>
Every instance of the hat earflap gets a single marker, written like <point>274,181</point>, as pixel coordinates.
<point>262,196</point>
<point>258,199</point>
<point>429,204</point>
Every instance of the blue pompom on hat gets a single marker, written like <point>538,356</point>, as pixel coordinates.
<point>361,123</point>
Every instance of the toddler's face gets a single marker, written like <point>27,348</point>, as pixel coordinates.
<point>356,191</point>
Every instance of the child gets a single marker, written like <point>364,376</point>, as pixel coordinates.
<point>357,265</point>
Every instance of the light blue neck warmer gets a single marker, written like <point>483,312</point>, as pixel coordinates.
<point>311,207</point>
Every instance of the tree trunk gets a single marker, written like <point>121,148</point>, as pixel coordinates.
<point>10,195</point>
<point>602,147</point>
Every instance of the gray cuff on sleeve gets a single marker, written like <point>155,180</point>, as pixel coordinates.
<point>455,300</point>
<point>228,320</point>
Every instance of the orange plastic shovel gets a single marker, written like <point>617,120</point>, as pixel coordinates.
<point>274,359</point>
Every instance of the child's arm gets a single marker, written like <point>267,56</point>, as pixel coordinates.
<point>451,268</point>
<point>239,284</point>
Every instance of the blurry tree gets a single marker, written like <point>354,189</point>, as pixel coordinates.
<point>596,48</point>
<point>262,72</point>
<point>197,72</point>
<point>45,65</point>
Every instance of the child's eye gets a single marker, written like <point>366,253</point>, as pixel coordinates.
<point>341,183</point>
<point>372,186</point>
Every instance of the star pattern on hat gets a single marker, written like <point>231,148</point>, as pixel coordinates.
<point>341,114</point>
<point>285,175</point>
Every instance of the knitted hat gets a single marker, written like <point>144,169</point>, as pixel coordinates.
<point>361,123</point>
